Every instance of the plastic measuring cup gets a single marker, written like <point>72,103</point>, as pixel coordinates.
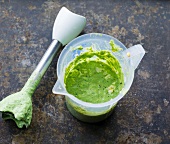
<point>128,59</point>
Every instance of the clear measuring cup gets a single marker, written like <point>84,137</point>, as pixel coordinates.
<point>128,59</point>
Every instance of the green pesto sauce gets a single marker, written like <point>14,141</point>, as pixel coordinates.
<point>77,48</point>
<point>94,76</point>
<point>18,106</point>
<point>114,47</point>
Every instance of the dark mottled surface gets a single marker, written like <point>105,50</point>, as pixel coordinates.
<point>141,117</point>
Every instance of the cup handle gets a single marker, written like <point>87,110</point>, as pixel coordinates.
<point>134,54</point>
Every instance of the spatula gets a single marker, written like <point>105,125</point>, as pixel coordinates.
<point>18,106</point>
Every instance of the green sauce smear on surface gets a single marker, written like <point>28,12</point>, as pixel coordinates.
<point>114,47</point>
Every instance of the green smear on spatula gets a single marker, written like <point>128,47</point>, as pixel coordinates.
<point>18,106</point>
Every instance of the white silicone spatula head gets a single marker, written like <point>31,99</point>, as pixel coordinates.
<point>67,26</point>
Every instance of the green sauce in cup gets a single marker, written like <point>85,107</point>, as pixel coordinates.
<point>94,77</point>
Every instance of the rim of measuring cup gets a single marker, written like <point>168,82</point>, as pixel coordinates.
<point>77,40</point>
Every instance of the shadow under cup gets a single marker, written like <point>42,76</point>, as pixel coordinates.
<point>84,111</point>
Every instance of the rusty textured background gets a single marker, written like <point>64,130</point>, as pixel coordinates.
<point>141,117</point>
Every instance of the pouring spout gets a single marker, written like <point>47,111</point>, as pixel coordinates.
<point>58,88</point>
<point>134,54</point>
